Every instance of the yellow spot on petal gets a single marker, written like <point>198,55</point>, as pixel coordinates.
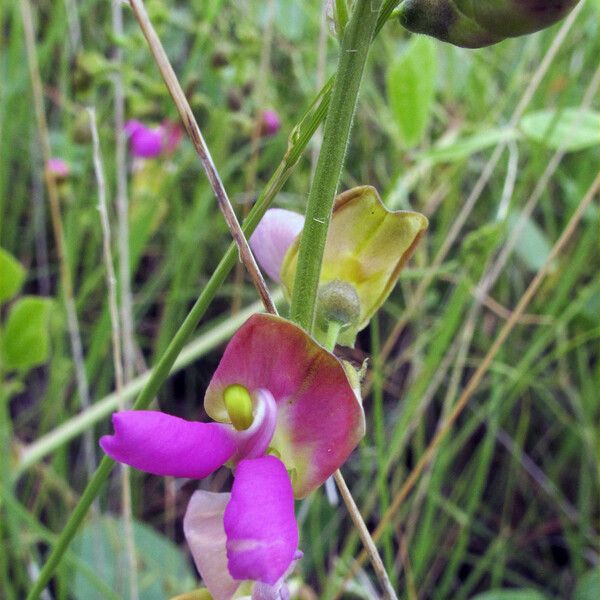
<point>239,406</point>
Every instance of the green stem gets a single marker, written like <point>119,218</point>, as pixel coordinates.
<point>333,331</point>
<point>353,55</point>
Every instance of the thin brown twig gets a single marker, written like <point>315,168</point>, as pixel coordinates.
<point>252,165</point>
<point>365,536</point>
<point>193,130</point>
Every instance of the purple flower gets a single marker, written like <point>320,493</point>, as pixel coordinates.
<point>146,142</point>
<point>270,122</point>
<point>295,402</point>
<point>58,168</point>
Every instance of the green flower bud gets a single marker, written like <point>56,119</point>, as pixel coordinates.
<point>339,302</point>
<point>478,23</point>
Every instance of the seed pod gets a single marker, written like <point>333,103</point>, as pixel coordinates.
<point>478,23</point>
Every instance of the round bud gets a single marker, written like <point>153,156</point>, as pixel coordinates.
<point>338,302</point>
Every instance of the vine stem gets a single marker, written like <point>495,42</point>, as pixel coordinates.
<point>353,55</point>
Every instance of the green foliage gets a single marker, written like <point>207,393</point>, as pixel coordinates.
<point>25,337</point>
<point>510,595</point>
<point>411,87</point>
<point>163,569</point>
<point>532,245</point>
<point>12,275</point>
<point>570,128</point>
<point>588,587</point>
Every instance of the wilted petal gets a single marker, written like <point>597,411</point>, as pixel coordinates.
<point>205,535</point>
<point>319,417</point>
<point>262,534</point>
<point>273,236</point>
<point>161,444</point>
<point>279,590</point>
<point>172,134</point>
<point>367,246</point>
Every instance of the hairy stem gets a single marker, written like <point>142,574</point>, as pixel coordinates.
<point>353,55</point>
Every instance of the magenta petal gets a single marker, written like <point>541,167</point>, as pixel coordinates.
<point>143,141</point>
<point>273,236</point>
<point>205,535</point>
<point>161,444</point>
<point>132,126</point>
<point>262,534</point>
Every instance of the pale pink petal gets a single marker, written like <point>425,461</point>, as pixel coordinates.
<point>132,126</point>
<point>273,236</point>
<point>262,534</point>
<point>320,419</point>
<point>161,444</point>
<point>205,535</point>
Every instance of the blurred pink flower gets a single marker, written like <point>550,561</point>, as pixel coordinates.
<point>147,142</point>
<point>270,122</point>
<point>58,168</point>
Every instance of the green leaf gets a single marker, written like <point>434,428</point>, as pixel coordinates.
<point>571,128</point>
<point>12,275</point>
<point>588,587</point>
<point>510,595</point>
<point>25,340</point>
<point>532,246</point>
<point>163,570</point>
<point>464,147</point>
<point>411,83</point>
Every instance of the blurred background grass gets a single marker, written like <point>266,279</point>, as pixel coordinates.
<point>511,498</point>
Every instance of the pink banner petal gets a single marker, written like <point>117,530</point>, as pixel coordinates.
<point>320,419</point>
<point>205,535</point>
<point>262,534</point>
<point>161,444</point>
